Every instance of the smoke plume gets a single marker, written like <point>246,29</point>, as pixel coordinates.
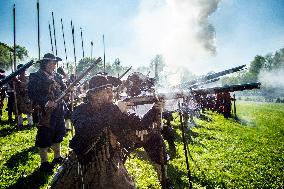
<point>177,29</point>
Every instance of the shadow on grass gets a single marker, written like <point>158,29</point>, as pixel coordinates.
<point>204,117</point>
<point>34,180</point>
<point>12,129</point>
<point>20,158</point>
<point>179,179</point>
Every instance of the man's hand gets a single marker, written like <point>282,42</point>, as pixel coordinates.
<point>51,104</point>
<point>124,106</point>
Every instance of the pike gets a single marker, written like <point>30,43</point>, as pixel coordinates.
<point>104,54</point>
<point>185,146</point>
<point>82,43</point>
<point>74,49</point>
<point>54,34</point>
<point>38,29</point>
<point>50,35</point>
<point>64,42</point>
<point>92,44</point>
<point>15,63</point>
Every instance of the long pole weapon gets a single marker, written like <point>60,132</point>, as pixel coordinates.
<point>64,43</point>
<point>82,43</point>
<point>72,28</point>
<point>50,35</point>
<point>38,30</point>
<point>15,63</point>
<point>104,54</point>
<point>54,35</point>
<point>92,44</point>
<point>185,146</point>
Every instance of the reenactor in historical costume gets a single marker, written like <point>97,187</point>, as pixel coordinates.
<point>2,92</point>
<point>11,101</point>
<point>43,89</point>
<point>219,102</point>
<point>227,104</point>
<point>102,130</point>
<point>24,103</point>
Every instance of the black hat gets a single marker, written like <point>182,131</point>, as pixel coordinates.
<point>2,71</point>
<point>98,83</point>
<point>50,57</point>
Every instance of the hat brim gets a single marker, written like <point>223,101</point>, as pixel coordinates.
<point>50,59</point>
<point>100,88</point>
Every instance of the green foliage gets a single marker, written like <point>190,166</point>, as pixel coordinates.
<point>6,55</point>
<point>113,69</point>
<point>225,153</point>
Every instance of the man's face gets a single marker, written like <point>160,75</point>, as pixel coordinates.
<point>102,97</point>
<point>50,66</point>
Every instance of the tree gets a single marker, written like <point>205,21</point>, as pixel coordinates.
<point>6,55</point>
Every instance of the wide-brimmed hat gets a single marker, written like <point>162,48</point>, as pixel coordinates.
<point>98,83</point>
<point>49,57</point>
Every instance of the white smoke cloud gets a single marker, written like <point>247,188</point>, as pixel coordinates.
<point>274,78</point>
<point>177,29</point>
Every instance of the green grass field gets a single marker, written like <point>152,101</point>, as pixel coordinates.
<point>225,153</point>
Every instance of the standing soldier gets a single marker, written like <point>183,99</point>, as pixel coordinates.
<point>227,104</point>
<point>2,93</point>
<point>44,88</point>
<point>97,160</point>
<point>23,102</point>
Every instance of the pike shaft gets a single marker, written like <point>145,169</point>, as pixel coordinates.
<point>72,28</point>
<point>82,43</point>
<point>14,53</point>
<point>54,33</point>
<point>64,42</point>
<point>92,44</point>
<point>38,30</point>
<point>50,35</point>
<point>104,54</point>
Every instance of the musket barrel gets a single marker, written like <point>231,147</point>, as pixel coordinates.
<point>15,73</point>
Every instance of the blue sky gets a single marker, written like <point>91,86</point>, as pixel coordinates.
<point>136,30</point>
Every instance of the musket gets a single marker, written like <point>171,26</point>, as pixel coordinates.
<point>46,119</point>
<point>203,83</point>
<point>70,87</point>
<point>214,75</point>
<point>50,35</point>
<point>15,73</point>
<point>82,43</point>
<point>64,42</point>
<point>125,72</point>
<point>38,30</point>
<point>230,88</point>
